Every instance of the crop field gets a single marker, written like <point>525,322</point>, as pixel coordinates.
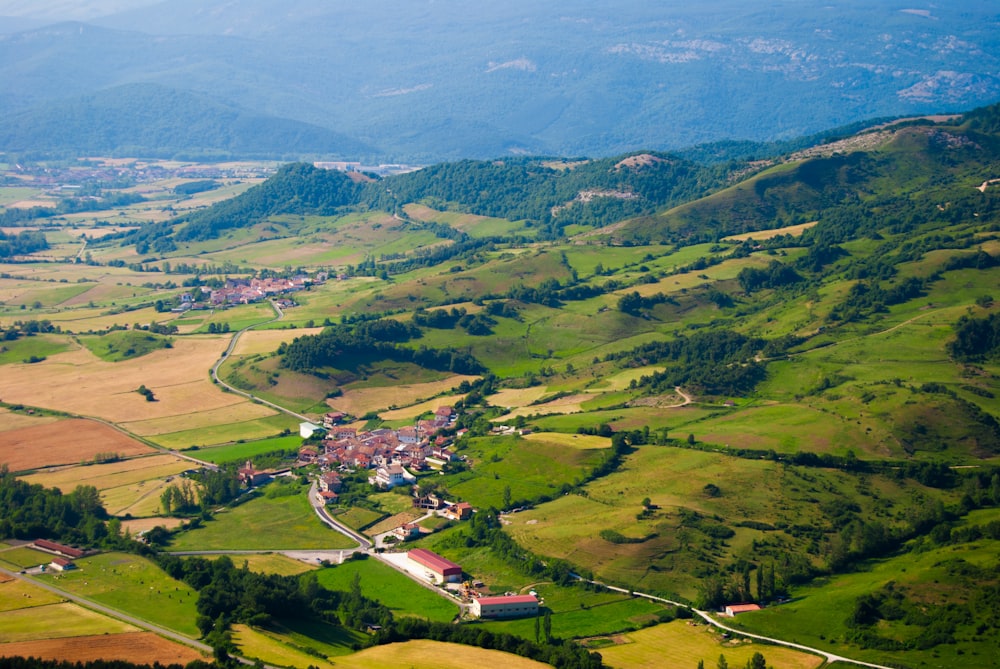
<point>414,411</point>
<point>16,594</point>
<point>397,591</point>
<point>79,382</point>
<point>138,500</point>
<point>54,621</point>
<point>568,404</point>
<point>136,647</point>
<point>64,442</point>
<point>254,342</point>
<point>112,474</point>
<point>424,654</point>
<point>393,521</point>
<point>127,583</point>
<point>761,235</point>
<point>11,419</point>
<point>233,414</point>
<point>281,523</point>
<point>136,525</point>
<point>360,401</point>
<point>685,643</point>
<point>259,428</point>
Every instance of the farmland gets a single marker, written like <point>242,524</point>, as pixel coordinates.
<point>137,647</point>
<point>64,442</point>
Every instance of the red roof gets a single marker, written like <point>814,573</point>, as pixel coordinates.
<point>508,599</point>
<point>433,561</point>
<point>743,608</point>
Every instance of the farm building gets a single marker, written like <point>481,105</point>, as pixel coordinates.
<point>510,606</point>
<point>307,430</point>
<point>53,547</point>
<point>440,568</point>
<point>460,511</point>
<point>62,564</point>
<point>734,609</point>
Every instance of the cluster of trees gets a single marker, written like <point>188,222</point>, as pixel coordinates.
<point>480,324</point>
<point>719,362</point>
<point>32,511</point>
<point>22,243</point>
<point>775,275</point>
<point>976,339</point>
<point>29,328</point>
<point>370,340</point>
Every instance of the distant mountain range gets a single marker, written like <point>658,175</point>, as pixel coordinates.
<point>425,81</point>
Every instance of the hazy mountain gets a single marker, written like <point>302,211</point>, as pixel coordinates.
<point>440,79</point>
<point>151,120</point>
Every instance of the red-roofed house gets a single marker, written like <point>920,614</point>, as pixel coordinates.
<point>62,564</point>
<point>460,511</point>
<point>511,606</point>
<point>440,568</point>
<point>734,609</point>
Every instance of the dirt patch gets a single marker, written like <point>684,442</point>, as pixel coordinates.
<point>137,525</point>
<point>137,647</point>
<point>64,442</point>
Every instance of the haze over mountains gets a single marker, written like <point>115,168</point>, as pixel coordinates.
<point>425,80</point>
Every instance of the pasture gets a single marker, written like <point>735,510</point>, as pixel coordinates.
<point>134,585</point>
<point>274,650</point>
<point>685,643</point>
<point>135,647</point>
<point>530,468</point>
<point>271,563</point>
<point>241,452</point>
<point>63,442</point>
<point>399,592</point>
<point>32,348</point>
<point>24,557</point>
<point>263,523</point>
<point>16,594</point>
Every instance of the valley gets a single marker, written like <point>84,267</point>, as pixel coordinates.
<point>769,382</point>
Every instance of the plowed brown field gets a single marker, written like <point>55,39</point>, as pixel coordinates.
<point>64,442</point>
<point>137,647</point>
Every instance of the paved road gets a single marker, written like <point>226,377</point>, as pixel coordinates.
<point>114,613</point>
<point>279,314</point>
<point>828,656</point>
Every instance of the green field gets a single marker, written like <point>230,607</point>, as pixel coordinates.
<point>246,451</point>
<point>21,558</point>
<point>55,621</point>
<point>529,468</point>
<point>125,345</point>
<point>225,434</point>
<point>134,585</point>
<point>27,348</point>
<point>399,592</point>
<point>282,523</point>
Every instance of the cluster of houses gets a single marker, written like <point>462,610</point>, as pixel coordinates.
<point>391,454</point>
<point>246,291</point>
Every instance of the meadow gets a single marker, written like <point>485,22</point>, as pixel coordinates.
<point>53,621</point>
<point>399,592</point>
<point>127,583</point>
<point>685,643</point>
<point>263,523</point>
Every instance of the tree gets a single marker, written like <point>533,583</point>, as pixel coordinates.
<point>757,662</point>
<point>506,497</point>
<point>722,664</point>
<point>547,626</point>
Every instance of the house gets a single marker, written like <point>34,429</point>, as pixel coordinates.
<point>330,482</point>
<point>389,476</point>
<point>435,566</point>
<point>333,418</point>
<point>407,532</point>
<point>62,564</point>
<point>733,609</point>
<point>460,511</point>
<point>509,606</point>
<point>329,497</point>
<point>445,412</point>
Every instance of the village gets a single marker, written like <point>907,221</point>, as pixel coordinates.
<point>392,455</point>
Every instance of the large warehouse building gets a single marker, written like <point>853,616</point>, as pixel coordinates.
<point>511,606</point>
<point>441,569</point>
